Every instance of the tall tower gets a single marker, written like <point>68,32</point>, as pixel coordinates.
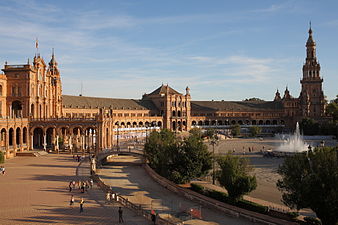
<point>55,100</point>
<point>311,97</point>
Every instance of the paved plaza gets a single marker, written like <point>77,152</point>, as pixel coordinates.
<point>34,190</point>
<point>134,183</point>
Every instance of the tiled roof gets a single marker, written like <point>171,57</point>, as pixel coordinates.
<point>70,101</point>
<point>163,90</point>
<point>235,106</point>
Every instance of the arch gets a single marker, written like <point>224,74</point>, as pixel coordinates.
<point>17,109</point>
<point>179,113</point>
<point>32,110</point>
<point>128,124</point>
<point>247,122</point>
<point>159,124</point>
<point>233,122</point>
<point>184,123</point>
<point>220,122</point>
<point>193,123</point>
<point>254,122</point>
<point>200,123</point>
<point>40,111</point>
<point>122,124</point>
<point>174,113</point>
<point>282,122</point>
<point>274,122</point>
<point>11,136</point>
<point>206,122</point>
<point>24,135</point>
<point>174,125</point>
<point>38,138</point>
<point>260,122</point>
<point>213,122</point>
<point>3,137</point>
<point>146,124</point>
<point>153,124</point>
<point>179,125</point>
<point>268,122</point>
<point>117,123</point>
<point>18,135</point>
<point>134,124</point>
<point>240,122</point>
<point>140,124</point>
<point>49,137</point>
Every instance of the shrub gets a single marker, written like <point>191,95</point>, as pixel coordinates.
<point>196,187</point>
<point>252,206</point>
<point>311,221</point>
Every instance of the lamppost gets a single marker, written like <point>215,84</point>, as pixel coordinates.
<point>117,139</point>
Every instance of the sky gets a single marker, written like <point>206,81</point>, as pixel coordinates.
<point>222,50</point>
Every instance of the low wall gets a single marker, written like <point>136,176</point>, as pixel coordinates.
<point>212,203</point>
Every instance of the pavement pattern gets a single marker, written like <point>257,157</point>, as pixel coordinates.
<point>132,181</point>
<point>35,190</point>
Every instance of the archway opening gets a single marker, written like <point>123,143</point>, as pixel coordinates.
<point>17,109</point>
<point>38,138</point>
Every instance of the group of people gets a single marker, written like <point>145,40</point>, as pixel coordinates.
<point>72,201</point>
<point>81,185</point>
<point>2,170</point>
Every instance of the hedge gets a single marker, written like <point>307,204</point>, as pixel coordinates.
<point>223,197</point>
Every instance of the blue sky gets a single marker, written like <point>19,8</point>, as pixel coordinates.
<point>228,50</point>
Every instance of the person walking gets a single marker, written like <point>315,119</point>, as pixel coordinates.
<point>71,202</point>
<point>81,205</point>
<point>70,186</point>
<point>121,215</point>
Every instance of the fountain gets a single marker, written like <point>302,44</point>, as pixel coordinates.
<point>295,143</point>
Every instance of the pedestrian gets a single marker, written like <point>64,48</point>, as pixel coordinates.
<point>121,215</point>
<point>81,205</point>
<point>3,170</point>
<point>91,183</point>
<point>108,198</point>
<point>70,186</point>
<point>71,202</point>
<point>82,187</point>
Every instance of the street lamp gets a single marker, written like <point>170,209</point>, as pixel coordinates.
<point>117,139</point>
<point>213,143</point>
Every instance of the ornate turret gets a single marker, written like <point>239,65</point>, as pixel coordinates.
<point>53,65</point>
<point>187,91</point>
<point>277,96</point>
<point>286,93</point>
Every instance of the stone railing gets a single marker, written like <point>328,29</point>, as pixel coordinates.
<point>212,203</point>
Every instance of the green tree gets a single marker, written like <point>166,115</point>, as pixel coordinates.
<point>196,131</point>
<point>176,159</point>
<point>309,126</point>
<point>236,130</point>
<point>234,177</point>
<point>332,109</point>
<point>310,180</point>
<point>254,131</point>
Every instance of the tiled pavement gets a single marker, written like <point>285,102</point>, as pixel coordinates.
<point>34,190</point>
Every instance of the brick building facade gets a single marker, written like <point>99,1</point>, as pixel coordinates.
<point>35,114</point>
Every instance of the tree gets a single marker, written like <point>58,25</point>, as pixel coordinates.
<point>234,177</point>
<point>236,130</point>
<point>309,126</point>
<point>332,109</point>
<point>176,159</point>
<point>254,131</point>
<point>310,180</point>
